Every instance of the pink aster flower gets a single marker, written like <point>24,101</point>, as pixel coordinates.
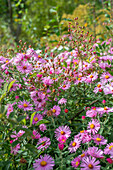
<point>9,110</point>
<point>74,145</point>
<point>20,133</point>
<point>108,148</point>
<point>25,105</point>
<point>91,113</point>
<point>62,101</point>
<point>93,126</point>
<point>47,80</point>
<point>37,118</point>
<point>91,77</point>
<point>105,77</point>
<point>85,137</point>
<point>83,155</point>
<point>65,86</point>
<point>90,163</point>
<point>98,87</point>
<point>24,68</point>
<point>75,162</point>
<point>15,149</point>
<point>45,162</point>
<point>36,135</point>
<point>98,139</point>
<point>62,131</point>
<point>56,110</point>
<point>43,127</point>
<point>45,143</point>
<point>62,139</point>
<point>95,152</point>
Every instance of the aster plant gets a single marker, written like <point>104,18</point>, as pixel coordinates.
<point>56,107</point>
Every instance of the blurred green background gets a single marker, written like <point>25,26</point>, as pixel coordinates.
<point>41,22</point>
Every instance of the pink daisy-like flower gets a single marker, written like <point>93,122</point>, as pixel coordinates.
<point>105,77</point>
<point>108,148</point>
<point>62,131</point>
<point>20,133</point>
<point>90,163</point>
<point>98,139</point>
<point>47,80</point>
<point>45,143</point>
<point>83,155</point>
<point>85,137</point>
<point>62,101</point>
<point>62,139</point>
<point>95,152</point>
<point>25,68</point>
<point>37,118</point>
<point>65,86</point>
<point>44,163</point>
<point>91,77</point>
<point>25,105</point>
<point>9,110</point>
<point>74,145</point>
<point>43,127</point>
<point>56,110</point>
<point>93,126</point>
<point>75,162</point>
<point>91,113</point>
<point>36,135</point>
<point>15,149</point>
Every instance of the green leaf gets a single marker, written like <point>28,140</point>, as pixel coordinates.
<point>31,120</point>
<point>31,147</point>
<point>21,118</point>
<point>3,95</point>
<point>42,122</point>
<point>10,85</point>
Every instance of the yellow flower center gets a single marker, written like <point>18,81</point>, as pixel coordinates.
<point>83,155</point>
<point>7,61</point>
<point>43,143</point>
<point>105,108</point>
<point>92,126</point>
<point>54,78</point>
<point>24,67</point>
<point>110,147</point>
<point>62,133</point>
<point>99,85</point>
<point>106,76</point>
<point>54,110</point>
<point>82,131</point>
<point>64,85</point>
<point>75,63</point>
<point>79,79</point>
<point>25,105</point>
<point>36,119</point>
<point>98,139</point>
<point>74,144</point>
<point>91,76</point>
<point>94,108</point>
<point>90,166</point>
<point>43,163</point>
<point>39,56</point>
<point>77,163</point>
<point>85,65</point>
